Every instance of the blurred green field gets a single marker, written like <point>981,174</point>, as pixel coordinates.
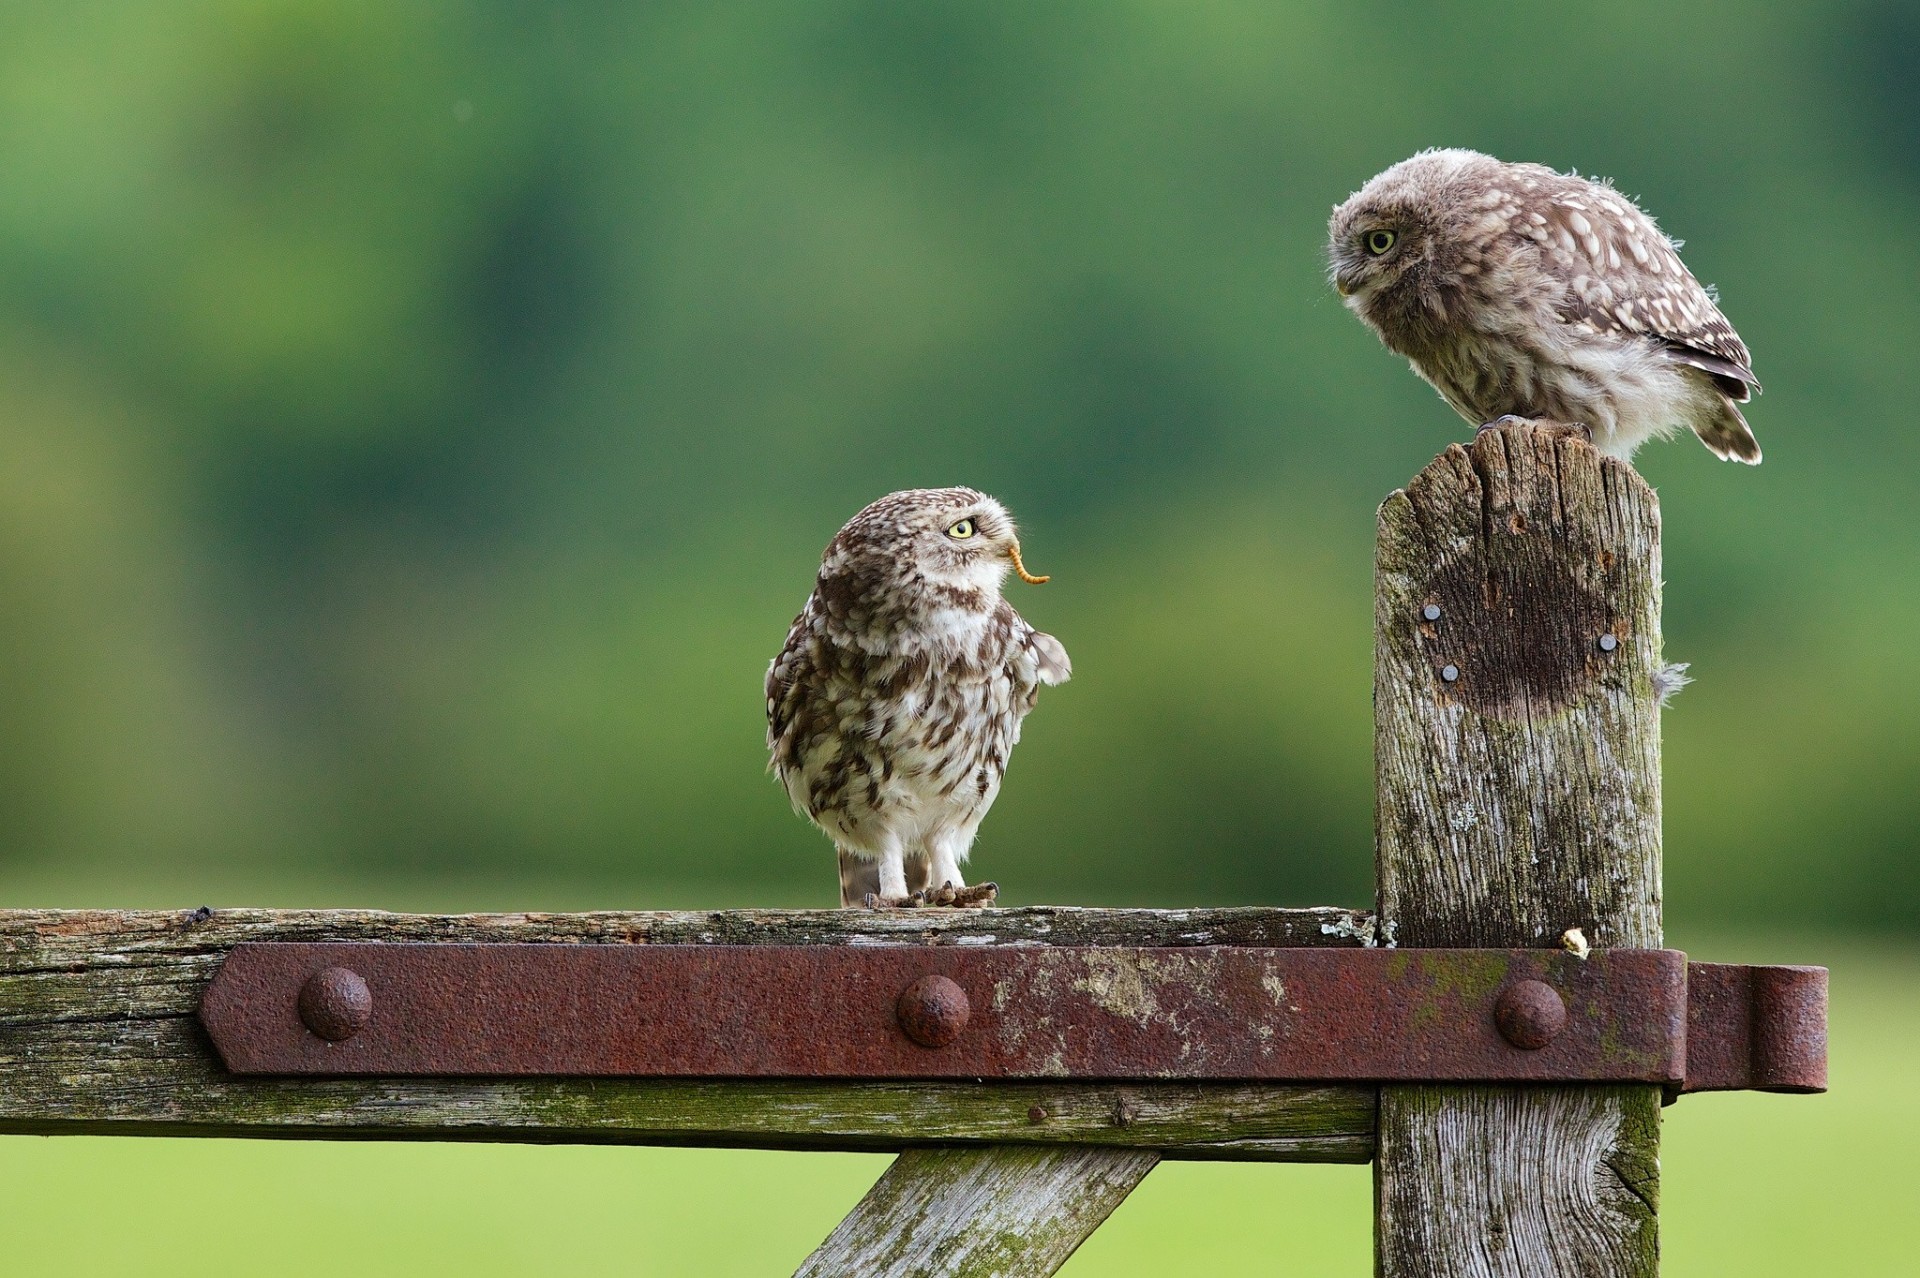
<point>1753,1187</point>
<point>419,423</point>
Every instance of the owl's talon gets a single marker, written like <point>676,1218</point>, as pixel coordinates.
<point>1506,419</point>
<point>1570,430</point>
<point>979,896</point>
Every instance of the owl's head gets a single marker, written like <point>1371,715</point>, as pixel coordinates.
<point>952,537</point>
<point>1400,234</point>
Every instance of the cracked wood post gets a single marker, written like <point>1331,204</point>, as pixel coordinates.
<point>1517,765</point>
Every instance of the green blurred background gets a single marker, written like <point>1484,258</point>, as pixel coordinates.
<point>418,424</point>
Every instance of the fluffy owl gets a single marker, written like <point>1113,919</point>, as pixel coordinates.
<point>1520,292</point>
<point>899,694</point>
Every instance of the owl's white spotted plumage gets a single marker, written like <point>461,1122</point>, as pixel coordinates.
<point>1518,291</point>
<point>893,707</point>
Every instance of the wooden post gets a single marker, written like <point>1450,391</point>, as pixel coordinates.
<point>1517,763</point>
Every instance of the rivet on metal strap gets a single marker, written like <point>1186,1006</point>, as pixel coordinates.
<point>335,1003</point>
<point>933,1010</point>
<point>1530,1014</point>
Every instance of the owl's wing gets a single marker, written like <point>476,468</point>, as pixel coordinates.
<point>1622,275</point>
<point>1032,657</point>
<point>1050,658</point>
<point>785,677</point>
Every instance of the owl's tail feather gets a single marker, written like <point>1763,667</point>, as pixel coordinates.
<point>860,876</point>
<point>1727,435</point>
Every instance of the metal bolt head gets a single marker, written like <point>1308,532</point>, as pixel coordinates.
<point>933,1010</point>
<point>1449,673</point>
<point>336,1004</point>
<point>1530,1014</point>
<point>1431,612</point>
<point>1608,643</point>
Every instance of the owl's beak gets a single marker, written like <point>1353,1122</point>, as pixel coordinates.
<point>1013,553</point>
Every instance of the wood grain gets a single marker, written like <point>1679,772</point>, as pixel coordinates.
<point>983,1213</point>
<point>1517,800</point>
<point>98,1035</point>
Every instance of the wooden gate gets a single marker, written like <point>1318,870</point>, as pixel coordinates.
<point>1517,686</point>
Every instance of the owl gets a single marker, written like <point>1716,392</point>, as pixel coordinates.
<point>898,697</point>
<point>1519,292</point>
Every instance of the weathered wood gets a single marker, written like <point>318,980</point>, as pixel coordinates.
<point>992,1213</point>
<point>62,936</point>
<point>97,1035</point>
<point>1517,800</point>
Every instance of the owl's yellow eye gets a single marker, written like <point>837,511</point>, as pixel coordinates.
<point>1378,242</point>
<point>962,530</point>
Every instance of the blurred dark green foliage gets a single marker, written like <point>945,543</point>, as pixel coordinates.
<point>418,424</point>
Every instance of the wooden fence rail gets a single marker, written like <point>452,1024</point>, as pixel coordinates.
<point>98,1035</point>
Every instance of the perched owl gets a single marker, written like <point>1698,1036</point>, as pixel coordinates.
<point>1520,292</point>
<point>899,694</point>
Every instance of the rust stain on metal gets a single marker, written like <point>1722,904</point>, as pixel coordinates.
<point>1196,1013</point>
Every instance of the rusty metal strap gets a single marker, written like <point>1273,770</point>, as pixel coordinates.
<point>946,1012</point>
